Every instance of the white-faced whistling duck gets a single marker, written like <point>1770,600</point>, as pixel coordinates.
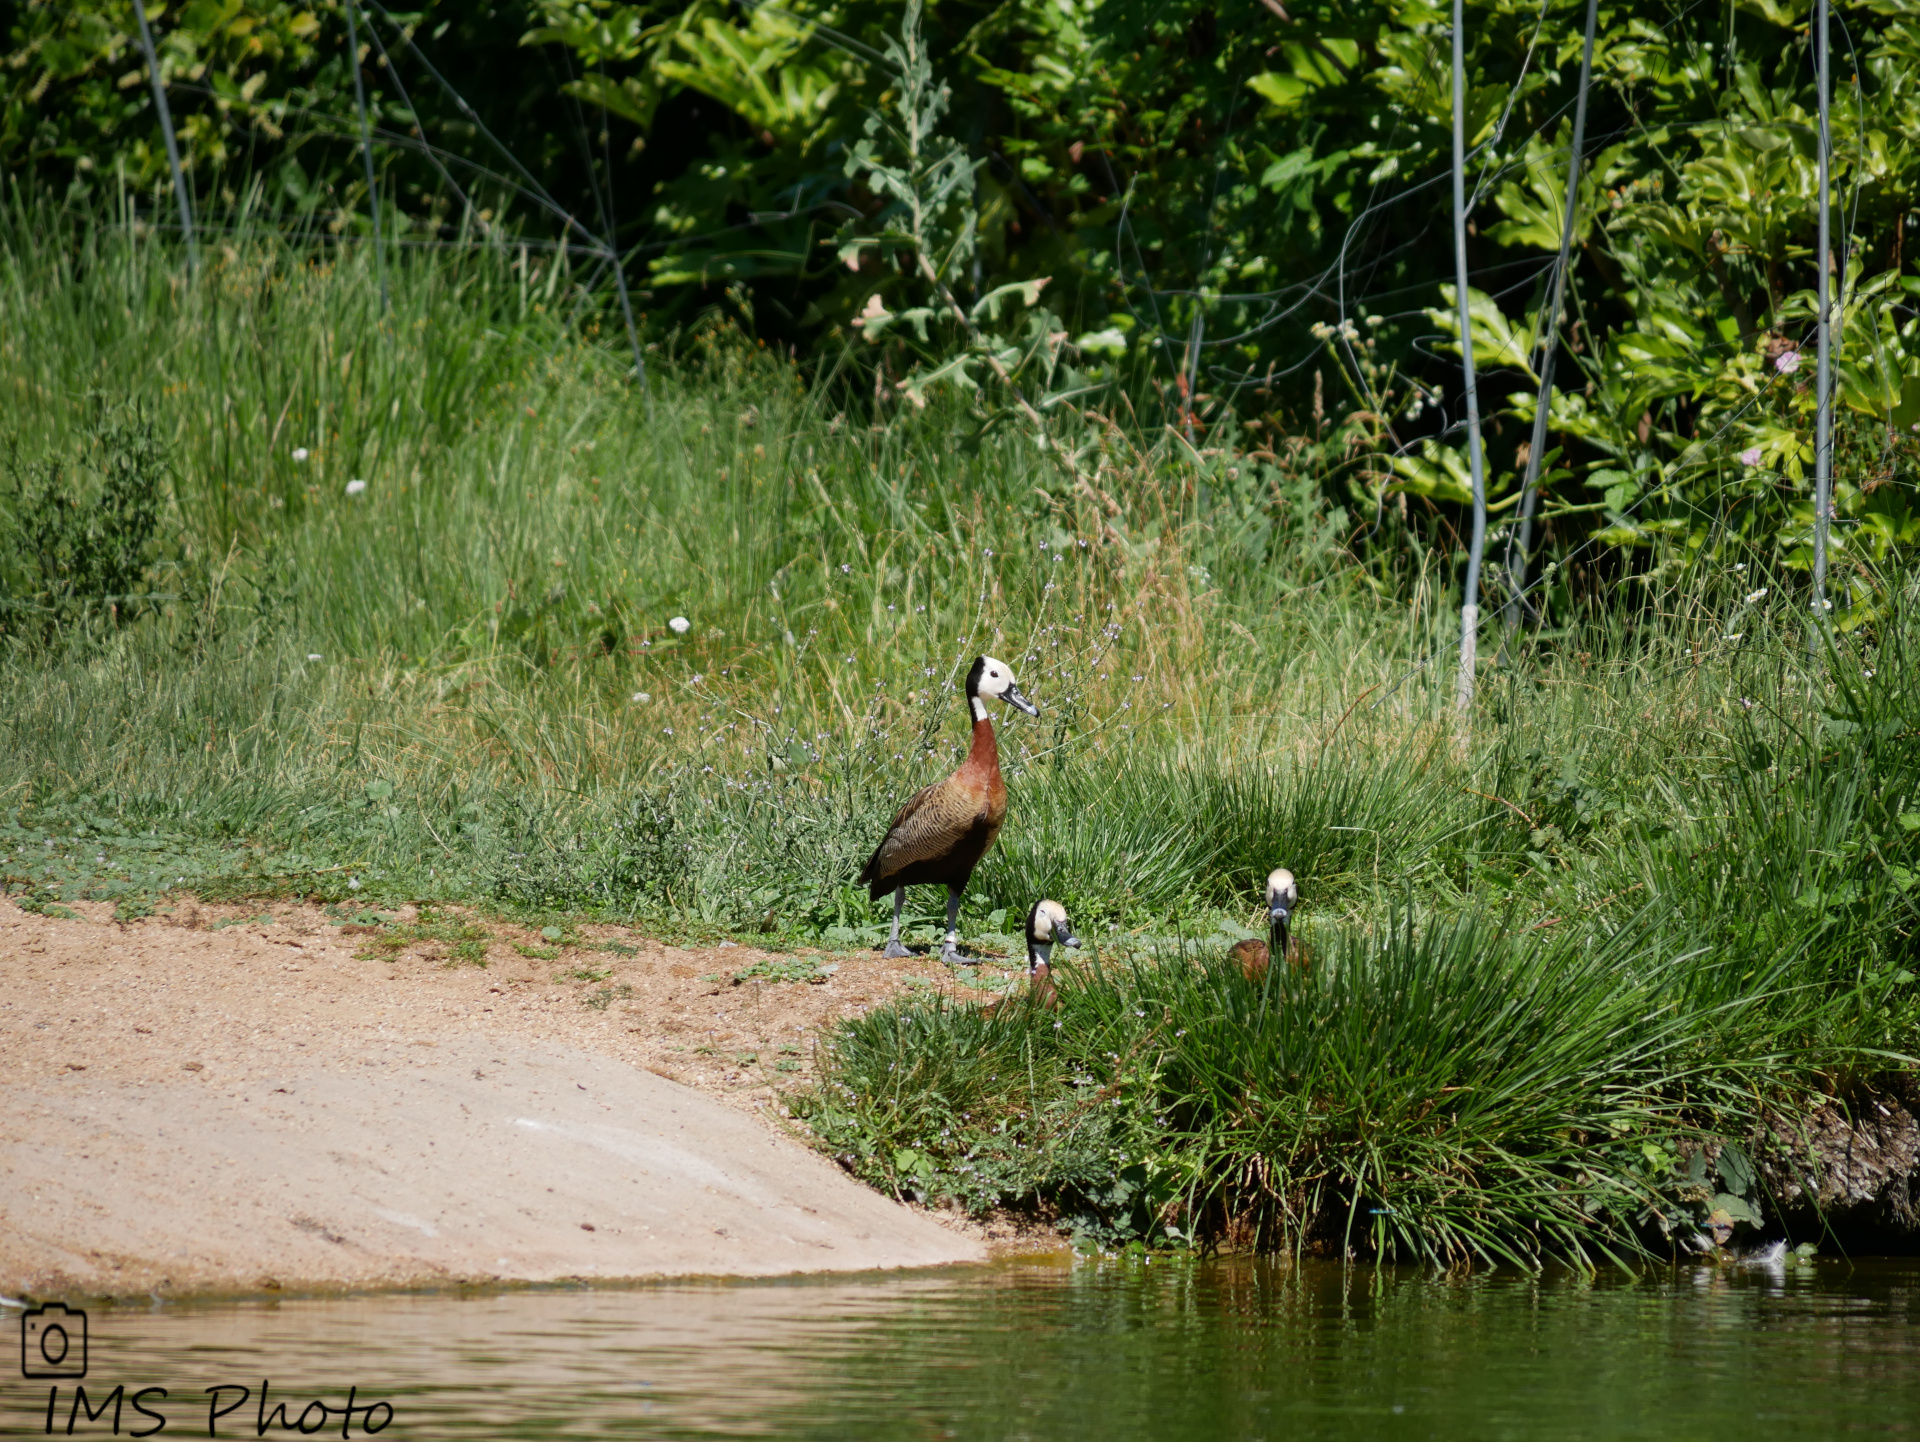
<point>1255,956</point>
<point>1046,924</point>
<point>939,836</point>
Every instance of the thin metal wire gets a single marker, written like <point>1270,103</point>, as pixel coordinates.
<point>1519,547</point>
<point>366,154</point>
<point>392,72</point>
<point>1823,380</point>
<point>603,202</point>
<point>1470,603</point>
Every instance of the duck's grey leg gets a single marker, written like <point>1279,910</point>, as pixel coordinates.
<point>950,953</point>
<point>894,948</point>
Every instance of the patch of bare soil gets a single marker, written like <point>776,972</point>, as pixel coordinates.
<point>208,1019</point>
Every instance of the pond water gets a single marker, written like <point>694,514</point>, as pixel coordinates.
<point>1042,1349</point>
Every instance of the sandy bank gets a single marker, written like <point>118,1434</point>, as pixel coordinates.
<point>275,1104</point>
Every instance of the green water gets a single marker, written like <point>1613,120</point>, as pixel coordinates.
<point>1098,1350</point>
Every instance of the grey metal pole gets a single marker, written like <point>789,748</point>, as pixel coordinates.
<point>1519,551</point>
<point>1470,604</point>
<point>633,334</point>
<point>366,153</point>
<point>1823,379</point>
<point>166,131</point>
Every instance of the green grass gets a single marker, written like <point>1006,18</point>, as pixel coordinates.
<point>1657,883</point>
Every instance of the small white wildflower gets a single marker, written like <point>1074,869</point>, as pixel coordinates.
<point>1753,596</point>
<point>845,569</point>
<point>300,455</point>
<point>1823,605</point>
<point>641,696</point>
<point>315,656</point>
<point>354,488</point>
<point>1735,635</point>
<point>353,883</point>
<point>1867,674</point>
<point>679,625</point>
<point>666,731</point>
<point>1741,566</point>
<point>1750,456</point>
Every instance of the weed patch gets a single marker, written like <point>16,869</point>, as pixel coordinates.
<point>778,969</point>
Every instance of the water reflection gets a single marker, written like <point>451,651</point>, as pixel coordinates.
<point>1062,1350</point>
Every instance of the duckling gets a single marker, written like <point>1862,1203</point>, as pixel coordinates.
<point>1046,924</point>
<point>1251,956</point>
<point>939,836</point>
<point>1254,957</point>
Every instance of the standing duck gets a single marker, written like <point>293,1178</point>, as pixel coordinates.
<point>939,836</point>
<point>1255,956</point>
<point>1046,924</point>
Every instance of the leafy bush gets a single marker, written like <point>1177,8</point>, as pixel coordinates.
<point>1233,214</point>
<point>77,536</point>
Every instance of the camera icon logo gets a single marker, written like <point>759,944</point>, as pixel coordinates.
<point>53,1341</point>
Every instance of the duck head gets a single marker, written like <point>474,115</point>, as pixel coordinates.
<point>1282,897</point>
<point>990,679</point>
<point>1046,924</point>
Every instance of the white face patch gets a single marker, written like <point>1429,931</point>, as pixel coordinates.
<point>996,678</point>
<point>1048,917</point>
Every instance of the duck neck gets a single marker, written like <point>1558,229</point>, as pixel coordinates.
<point>985,753</point>
<point>1039,956</point>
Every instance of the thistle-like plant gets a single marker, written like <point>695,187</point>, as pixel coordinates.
<point>926,231</point>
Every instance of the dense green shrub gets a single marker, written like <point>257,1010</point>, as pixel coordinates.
<point>1236,210</point>
<point>78,538</point>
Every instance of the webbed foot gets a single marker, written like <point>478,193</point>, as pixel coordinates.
<point>950,954</point>
<point>895,949</point>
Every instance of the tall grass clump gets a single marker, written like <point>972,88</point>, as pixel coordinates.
<point>1471,1069</point>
